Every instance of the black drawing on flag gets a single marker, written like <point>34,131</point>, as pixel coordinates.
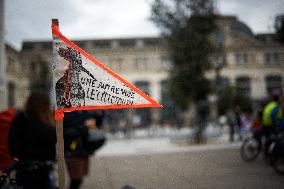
<point>69,91</point>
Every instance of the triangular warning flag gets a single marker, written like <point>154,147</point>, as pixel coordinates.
<point>83,83</point>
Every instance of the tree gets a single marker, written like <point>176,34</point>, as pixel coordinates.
<point>225,99</point>
<point>187,26</point>
<point>279,27</point>
<point>228,97</point>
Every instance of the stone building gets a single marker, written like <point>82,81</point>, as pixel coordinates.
<point>252,63</point>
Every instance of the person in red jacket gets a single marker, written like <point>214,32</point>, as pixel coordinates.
<point>6,118</point>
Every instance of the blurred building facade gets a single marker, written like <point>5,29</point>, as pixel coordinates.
<point>2,58</point>
<point>254,64</point>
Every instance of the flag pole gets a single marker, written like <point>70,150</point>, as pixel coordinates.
<point>60,140</point>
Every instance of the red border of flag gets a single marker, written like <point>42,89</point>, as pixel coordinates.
<point>59,112</point>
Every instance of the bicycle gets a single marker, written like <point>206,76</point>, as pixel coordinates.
<point>8,182</point>
<point>252,146</point>
<point>276,152</point>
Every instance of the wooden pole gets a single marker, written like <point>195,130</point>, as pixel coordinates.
<point>60,141</point>
<point>60,154</point>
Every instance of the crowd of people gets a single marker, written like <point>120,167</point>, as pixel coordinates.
<point>268,120</point>
<point>31,143</point>
<point>32,138</point>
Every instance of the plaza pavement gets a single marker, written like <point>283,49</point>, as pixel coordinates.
<point>158,163</point>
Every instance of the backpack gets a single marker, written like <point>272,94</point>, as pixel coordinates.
<point>6,118</point>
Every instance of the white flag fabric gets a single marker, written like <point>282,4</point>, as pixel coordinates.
<point>81,82</point>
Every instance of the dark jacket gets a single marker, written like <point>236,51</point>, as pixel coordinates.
<point>76,133</point>
<point>31,140</point>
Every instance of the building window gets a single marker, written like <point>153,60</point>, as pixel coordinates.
<point>33,67</point>
<point>220,36</point>
<point>273,82</point>
<point>144,86</point>
<point>271,58</point>
<point>28,46</point>
<point>241,58</point>
<point>80,44</point>
<point>275,57</point>
<point>223,82</point>
<point>24,66</point>
<point>267,58</point>
<point>139,43</point>
<point>143,113</point>
<point>11,94</point>
<point>11,65</point>
<point>127,43</point>
<point>102,44</point>
<point>243,86</point>
<point>47,45</point>
<point>141,63</point>
<point>169,112</point>
<point>152,42</point>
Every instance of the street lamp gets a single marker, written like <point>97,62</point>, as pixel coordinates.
<point>218,62</point>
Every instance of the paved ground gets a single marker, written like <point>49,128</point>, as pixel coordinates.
<point>193,167</point>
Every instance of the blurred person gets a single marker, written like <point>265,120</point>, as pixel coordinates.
<point>277,115</point>
<point>268,120</point>
<point>202,118</point>
<point>125,128</point>
<point>234,121</point>
<point>79,126</point>
<point>154,128</point>
<point>245,124</point>
<point>6,118</point>
<point>136,121</point>
<point>32,140</point>
<point>256,126</point>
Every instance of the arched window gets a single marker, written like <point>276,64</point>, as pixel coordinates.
<point>273,82</point>
<point>243,85</point>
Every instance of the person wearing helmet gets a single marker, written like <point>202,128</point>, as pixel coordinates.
<point>269,120</point>
<point>277,115</point>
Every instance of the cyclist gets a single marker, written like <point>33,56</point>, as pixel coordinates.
<point>277,115</point>
<point>268,120</point>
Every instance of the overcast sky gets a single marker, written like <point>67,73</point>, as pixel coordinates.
<point>31,19</point>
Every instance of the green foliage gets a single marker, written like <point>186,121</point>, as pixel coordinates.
<point>228,98</point>
<point>187,26</point>
<point>244,102</point>
<point>225,100</point>
<point>279,27</point>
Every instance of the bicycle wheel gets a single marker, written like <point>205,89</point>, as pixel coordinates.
<point>277,156</point>
<point>278,164</point>
<point>250,149</point>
